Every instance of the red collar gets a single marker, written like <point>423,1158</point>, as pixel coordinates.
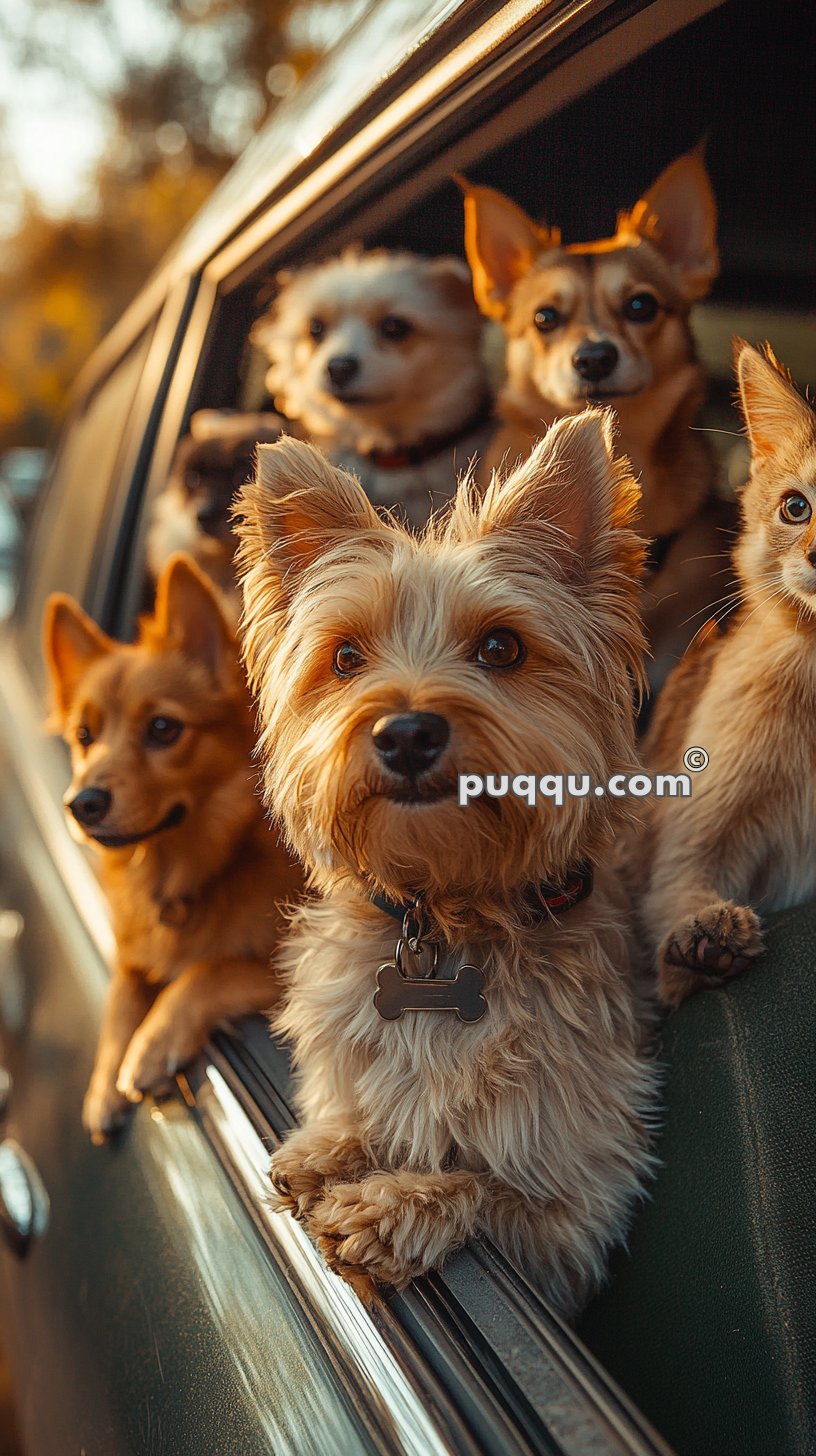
<point>408,455</point>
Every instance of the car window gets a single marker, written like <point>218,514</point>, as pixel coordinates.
<point>66,534</point>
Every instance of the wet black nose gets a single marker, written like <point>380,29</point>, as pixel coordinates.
<point>409,743</point>
<point>342,368</point>
<point>811,555</point>
<point>595,360</point>
<point>90,806</point>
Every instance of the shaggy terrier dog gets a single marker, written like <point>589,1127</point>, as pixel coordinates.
<point>375,356</point>
<point>489,1076</point>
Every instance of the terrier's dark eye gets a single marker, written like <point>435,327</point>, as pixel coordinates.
<point>547,319</point>
<point>394,328</point>
<point>641,308</point>
<point>162,732</point>
<point>317,329</point>
<point>347,659</point>
<point>84,736</point>
<point>500,648</point>
<point>794,509</point>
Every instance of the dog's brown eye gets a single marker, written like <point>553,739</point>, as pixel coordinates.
<point>347,659</point>
<point>161,731</point>
<point>500,648</point>
<point>84,736</point>
<point>317,329</point>
<point>547,319</point>
<point>394,328</point>
<point>795,509</point>
<point>641,308</point>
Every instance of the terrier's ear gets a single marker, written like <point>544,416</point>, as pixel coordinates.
<point>773,410</point>
<point>501,243</point>
<point>189,615</point>
<point>71,642</point>
<point>679,217</point>
<point>298,505</point>
<point>572,483</point>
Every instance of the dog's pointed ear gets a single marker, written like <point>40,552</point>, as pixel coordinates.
<point>679,217</point>
<point>576,487</point>
<point>298,505</point>
<point>773,410</point>
<point>72,642</point>
<point>501,243</point>
<point>189,614</point>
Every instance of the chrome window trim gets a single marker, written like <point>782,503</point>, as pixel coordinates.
<point>514,36</point>
<point>506,44</point>
<point>505,1363</point>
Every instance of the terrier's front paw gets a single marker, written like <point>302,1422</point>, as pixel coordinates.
<point>394,1226</point>
<point>104,1110</point>
<point>150,1062</point>
<point>307,1163</point>
<point>354,1225</point>
<point>705,949</point>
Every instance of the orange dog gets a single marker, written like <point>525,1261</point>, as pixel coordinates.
<point>161,736</point>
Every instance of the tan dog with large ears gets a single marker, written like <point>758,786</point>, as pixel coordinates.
<point>608,322</point>
<point>505,638</point>
<point>161,735</point>
<point>742,845</point>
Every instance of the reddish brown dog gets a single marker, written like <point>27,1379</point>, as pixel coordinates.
<point>161,735</point>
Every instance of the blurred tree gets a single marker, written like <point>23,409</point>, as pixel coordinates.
<point>179,107</point>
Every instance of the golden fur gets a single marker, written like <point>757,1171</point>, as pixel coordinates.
<point>427,385</point>
<point>664,248</point>
<point>528,1125</point>
<point>193,906</point>
<point>742,844</point>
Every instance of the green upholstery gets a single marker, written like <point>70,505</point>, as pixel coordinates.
<point>709,1322</point>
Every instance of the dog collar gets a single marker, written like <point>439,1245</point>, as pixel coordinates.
<point>408,455</point>
<point>446,986</point>
<point>547,898</point>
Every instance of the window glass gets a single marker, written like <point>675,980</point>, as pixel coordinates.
<point>71,522</point>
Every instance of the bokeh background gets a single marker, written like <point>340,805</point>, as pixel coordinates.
<point>117,118</point>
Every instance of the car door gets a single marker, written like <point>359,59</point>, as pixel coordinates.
<point>137,1305</point>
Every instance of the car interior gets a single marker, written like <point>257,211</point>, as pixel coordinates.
<point>708,1322</point>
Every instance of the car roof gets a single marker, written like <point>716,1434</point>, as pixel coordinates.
<point>365,70</point>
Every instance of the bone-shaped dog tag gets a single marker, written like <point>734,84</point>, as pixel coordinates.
<point>462,993</point>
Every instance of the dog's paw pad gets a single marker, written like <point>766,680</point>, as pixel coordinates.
<point>705,949</point>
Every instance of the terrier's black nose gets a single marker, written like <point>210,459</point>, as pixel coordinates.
<point>342,369</point>
<point>811,555</point>
<point>409,743</point>
<point>90,806</point>
<point>595,360</point>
